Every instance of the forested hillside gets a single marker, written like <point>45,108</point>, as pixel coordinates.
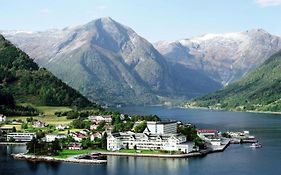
<point>22,81</point>
<point>259,90</point>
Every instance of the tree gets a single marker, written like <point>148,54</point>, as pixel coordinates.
<point>72,115</point>
<point>29,119</point>
<point>101,126</point>
<point>141,127</point>
<point>55,147</point>
<point>86,143</point>
<point>104,141</point>
<point>40,134</point>
<point>24,126</point>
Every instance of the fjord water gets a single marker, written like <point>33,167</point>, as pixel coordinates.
<point>236,159</point>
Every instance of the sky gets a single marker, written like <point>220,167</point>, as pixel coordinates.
<point>155,20</point>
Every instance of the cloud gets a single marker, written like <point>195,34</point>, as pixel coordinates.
<point>45,11</point>
<point>265,3</point>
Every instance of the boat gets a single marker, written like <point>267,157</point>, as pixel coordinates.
<point>256,145</point>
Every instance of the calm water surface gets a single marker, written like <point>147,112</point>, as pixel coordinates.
<point>236,159</point>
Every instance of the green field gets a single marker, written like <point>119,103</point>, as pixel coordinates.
<point>48,115</point>
<point>18,127</point>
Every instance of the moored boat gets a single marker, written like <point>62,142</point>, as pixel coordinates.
<point>256,145</point>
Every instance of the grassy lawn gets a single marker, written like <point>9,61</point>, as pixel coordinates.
<point>50,110</point>
<point>66,153</point>
<point>66,131</point>
<point>18,127</point>
<point>50,119</point>
<point>48,116</point>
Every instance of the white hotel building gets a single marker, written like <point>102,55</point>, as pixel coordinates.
<point>169,127</point>
<point>21,136</point>
<point>157,136</point>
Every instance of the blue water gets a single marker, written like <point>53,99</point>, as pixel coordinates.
<point>235,160</point>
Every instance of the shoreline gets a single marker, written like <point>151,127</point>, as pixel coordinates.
<point>71,159</point>
<point>187,155</point>
<point>75,159</point>
<point>247,111</point>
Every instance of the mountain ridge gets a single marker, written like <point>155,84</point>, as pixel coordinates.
<point>225,57</point>
<point>110,62</point>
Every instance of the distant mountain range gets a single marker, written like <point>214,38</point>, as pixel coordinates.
<point>22,81</point>
<point>109,62</point>
<point>224,57</point>
<point>260,90</point>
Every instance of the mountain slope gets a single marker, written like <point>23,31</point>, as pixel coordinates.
<point>109,62</point>
<point>258,90</point>
<point>224,57</point>
<point>21,80</point>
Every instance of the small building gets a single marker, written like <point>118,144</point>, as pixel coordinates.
<point>2,118</point>
<point>84,131</point>
<point>94,126</point>
<point>62,127</point>
<point>208,133</point>
<point>78,136</point>
<point>96,135</point>
<point>21,136</point>
<point>4,131</point>
<point>108,128</point>
<point>38,124</point>
<point>97,119</point>
<point>75,146</point>
<point>53,137</point>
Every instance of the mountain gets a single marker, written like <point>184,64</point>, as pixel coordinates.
<point>224,57</point>
<point>111,63</point>
<point>22,81</point>
<point>259,90</point>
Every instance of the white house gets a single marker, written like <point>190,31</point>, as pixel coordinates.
<point>2,118</point>
<point>97,119</point>
<point>53,137</point>
<point>207,133</point>
<point>39,124</point>
<point>62,127</point>
<point>210,136</point>
<point>77,136</point>
<point>21,136</point>
<point>94,126</point>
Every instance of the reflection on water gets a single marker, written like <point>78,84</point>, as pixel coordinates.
<point>138,165</point>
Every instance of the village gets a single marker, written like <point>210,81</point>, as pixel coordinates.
<point>119,134</point>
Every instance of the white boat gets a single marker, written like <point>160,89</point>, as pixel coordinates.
<point>256,145</point>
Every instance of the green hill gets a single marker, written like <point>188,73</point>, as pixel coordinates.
<point>259,90</point>
<point>22,81</point>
